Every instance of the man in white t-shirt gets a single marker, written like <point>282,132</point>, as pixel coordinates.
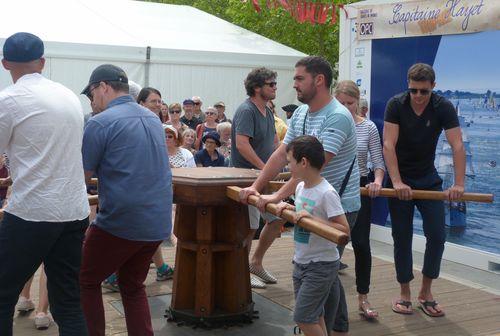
<point>316,260</point>
<point>41,129</point>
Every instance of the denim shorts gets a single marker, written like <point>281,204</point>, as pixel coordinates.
<point>254,216</point>
<point>311,285</point>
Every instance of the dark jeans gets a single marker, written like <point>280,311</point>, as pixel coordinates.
<point>24,245</point>
<point>103,254</point>
<point>433,224</point>
<point>360,237</point>
<point>338,320</point>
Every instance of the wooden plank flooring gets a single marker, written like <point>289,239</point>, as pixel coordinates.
<point>469,311</point>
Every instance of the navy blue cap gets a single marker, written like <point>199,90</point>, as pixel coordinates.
<point>188,102</point>
<point>22,48</point>
<point>214,136</point>
<point>106,73</point>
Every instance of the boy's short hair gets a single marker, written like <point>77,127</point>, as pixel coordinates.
<point>309,147</point>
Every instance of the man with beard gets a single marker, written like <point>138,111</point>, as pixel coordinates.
<point>253,140</point>
<point>324,117</point>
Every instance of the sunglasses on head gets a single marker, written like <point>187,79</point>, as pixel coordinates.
<point>271,84</point>
<point>423,92</point>
<point>175,111</point>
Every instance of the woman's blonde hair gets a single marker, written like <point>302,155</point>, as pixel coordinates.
<point>348,87</point>
<point>223,126</point>
<point>188,131</point>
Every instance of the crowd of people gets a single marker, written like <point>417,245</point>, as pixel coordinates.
<point>133,139</point>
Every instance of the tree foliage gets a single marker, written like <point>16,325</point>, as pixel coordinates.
<point>276,24</point>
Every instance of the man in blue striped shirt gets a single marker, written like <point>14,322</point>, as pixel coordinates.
<point>324,117</point>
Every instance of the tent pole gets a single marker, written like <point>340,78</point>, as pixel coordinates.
<point>147,66</point>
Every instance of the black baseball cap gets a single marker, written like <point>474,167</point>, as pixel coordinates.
<point>290,108</point>
<point>22,48</point>
<point>106,73</point>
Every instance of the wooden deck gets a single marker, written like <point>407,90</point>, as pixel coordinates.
<point>469,311</point>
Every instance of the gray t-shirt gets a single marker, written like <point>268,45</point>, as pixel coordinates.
<point>250,122</point>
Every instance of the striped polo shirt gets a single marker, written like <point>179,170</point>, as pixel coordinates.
<point>334,127</point>
<point>369,142</point>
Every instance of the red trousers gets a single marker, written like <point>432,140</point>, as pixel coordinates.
<point>104,254</point>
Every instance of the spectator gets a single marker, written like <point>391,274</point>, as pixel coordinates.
<point>164,112</point>
<point>221,109</point>
<point>41,126</point>
<point>151,98</point>
<point>174,111</point>
<point>279,124</point>
<point>198,114</point>
<point>207,127</point>
<point>289,109</point>
<point>179,157</point>
<point>188,117</point>
<point>25,305</point>
<point>209,156</point>
<point>135,204</point>
<point>134,89</point>
<point>188,140</point>
<point>224,130</point>
<point>363,107</point>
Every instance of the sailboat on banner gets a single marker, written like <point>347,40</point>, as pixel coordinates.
<point>456,212</point>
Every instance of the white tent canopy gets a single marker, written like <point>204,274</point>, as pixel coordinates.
<point>180,50</point>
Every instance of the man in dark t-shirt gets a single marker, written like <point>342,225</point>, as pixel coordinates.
<point>413,123</point>
<point>253,140</point>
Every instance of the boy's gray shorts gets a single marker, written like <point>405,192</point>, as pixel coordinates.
<point>311,285</point>
<point>254,216</point>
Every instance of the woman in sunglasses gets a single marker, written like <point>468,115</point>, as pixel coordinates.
<point>210,125</point>
<point>174,112</point>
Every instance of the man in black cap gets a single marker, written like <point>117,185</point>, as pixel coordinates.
<point>41,125</point>
<point>221,115</point>
<point>289,109</point>
<point>188,118</point>
<point>125,146</point>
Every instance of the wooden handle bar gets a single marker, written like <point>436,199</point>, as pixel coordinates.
<point>314,224</point>
<point>93,200</point>
<point>434,195</point>
<point>416,194</point>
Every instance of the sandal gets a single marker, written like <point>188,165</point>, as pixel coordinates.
<point>366,310</point>
<point>425,305</point>
<point>404,303</point>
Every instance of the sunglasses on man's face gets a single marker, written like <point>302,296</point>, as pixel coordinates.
<point>197,103</point>
<point>271,84</point>
<point>423,92</point>
<point>175,111</point>
<point>210,113</point>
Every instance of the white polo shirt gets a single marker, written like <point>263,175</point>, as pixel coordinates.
<point>41,130</point>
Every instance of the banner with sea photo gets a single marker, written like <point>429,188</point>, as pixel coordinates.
<point>429,17</point>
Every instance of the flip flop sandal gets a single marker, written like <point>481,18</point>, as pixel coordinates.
<point>397,310</point>
<point>264,275</point>
<point>425,305</point>
<point>367,313</point>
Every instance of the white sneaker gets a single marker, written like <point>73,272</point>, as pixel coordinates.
<point>25,305</point>
<point>42,321</point>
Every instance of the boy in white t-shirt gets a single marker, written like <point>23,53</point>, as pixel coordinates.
<point>316,260</point>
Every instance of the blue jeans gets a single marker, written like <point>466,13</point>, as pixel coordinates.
<point>433,225</point>
<point>24,245</point>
